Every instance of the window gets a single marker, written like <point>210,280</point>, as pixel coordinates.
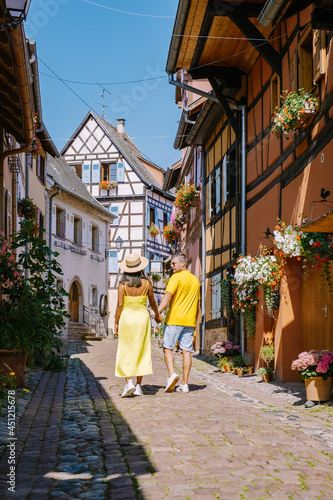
<point>40,218</point>
<point>319,54</point>
<point>113,172</point>
<point>40,169</point>
<point>151,216</point>
<point>232,167</point>
<point>305,61</point>
<point>60,222</point>
<point>275,92</point>
<point>95,239</point>
<point>105,172</point>
<point>165,219</point>
<point>94,296</point>
<point>197,166</point>
<point>224,177</point>
<point>77,231</point>
<point>216,296</point>
<point>113,262</point>
<point>115,211</point>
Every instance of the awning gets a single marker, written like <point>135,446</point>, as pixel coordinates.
<point>323,224</point>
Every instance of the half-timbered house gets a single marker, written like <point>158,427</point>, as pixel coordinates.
<point>250,53</point>
<point>78,229</point>
<point>118,175</point>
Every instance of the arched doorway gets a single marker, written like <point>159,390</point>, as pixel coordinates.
<point>73,307</point>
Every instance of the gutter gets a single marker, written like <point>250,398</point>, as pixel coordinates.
<point>271,11</point>
<point>16,36</point>
<point>178,30</point>
<point>203,253</point>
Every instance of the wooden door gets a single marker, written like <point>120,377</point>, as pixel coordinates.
<point>74,303</point>
<point>317,314</point>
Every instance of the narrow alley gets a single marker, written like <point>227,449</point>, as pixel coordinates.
<point>229,438</point>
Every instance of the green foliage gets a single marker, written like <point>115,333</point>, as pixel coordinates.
<point>265,370</point>
<point>32,313</point>
<point>293,106</point>
<point>236,362</point>
<point>267,353</point>
<point>226,295</point>
<point>250,322</point>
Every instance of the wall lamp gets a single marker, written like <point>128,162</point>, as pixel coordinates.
<point>119,243</point>
<point>16,12</point>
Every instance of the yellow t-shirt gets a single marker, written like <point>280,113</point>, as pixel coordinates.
<point>185,289</point>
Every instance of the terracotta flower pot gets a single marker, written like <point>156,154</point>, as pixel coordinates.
<point>16,362</point>
<point>250,370</point>
<point>318,389</point>
<point>240,372</point>
<point>227,367</point>
<point>266,377</point>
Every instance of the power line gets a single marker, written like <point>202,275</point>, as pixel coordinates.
<point>58,77</point>
<point>130,13</point>
<point>107,83</point>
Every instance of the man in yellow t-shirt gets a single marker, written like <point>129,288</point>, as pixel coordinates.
<point>183,295</point>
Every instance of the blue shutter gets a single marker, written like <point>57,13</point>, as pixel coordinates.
<point>148,216</point>
<point>86,173</point>
<point>115,211</point>
<point>156,217</point>
<point>95,173</point>
<point>120,172</point>
<point>113,262</point>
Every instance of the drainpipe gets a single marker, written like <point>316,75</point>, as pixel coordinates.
<point>243,208</point>
<point>203,253</point>
<point>50,216</point>
<point>18,52</point>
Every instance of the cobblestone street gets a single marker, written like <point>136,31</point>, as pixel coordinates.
<point>229,438</point>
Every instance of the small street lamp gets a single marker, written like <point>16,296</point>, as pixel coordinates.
<point>119,243</point>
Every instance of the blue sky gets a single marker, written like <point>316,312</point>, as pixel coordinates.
<point>83,42</point>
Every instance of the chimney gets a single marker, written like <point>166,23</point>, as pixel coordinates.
<point>121,125</point>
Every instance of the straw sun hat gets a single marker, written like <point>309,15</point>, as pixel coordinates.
<point>133,263</point>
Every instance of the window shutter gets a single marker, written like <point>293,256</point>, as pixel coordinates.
<point>120,172</point>
<point>148,216</point>
<point>62,224</point>
<point>115,211</point>
<point>225,180</point>
<point>319,54</point>
<point>79,232</point>
<point>95,173</point>
<point>86,173</point>
<point>218,190</point>
<point>168,218</point>
<point>293,71</point>
<point>156,217</point>
<point>113,262</point>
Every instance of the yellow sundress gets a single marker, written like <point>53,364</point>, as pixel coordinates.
<point>134,343</point>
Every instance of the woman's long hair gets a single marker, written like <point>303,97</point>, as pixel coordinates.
<point>133,279</point>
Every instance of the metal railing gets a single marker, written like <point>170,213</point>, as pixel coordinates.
<point>95,322</point>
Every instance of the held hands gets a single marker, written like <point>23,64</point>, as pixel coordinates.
<point>158,318</point>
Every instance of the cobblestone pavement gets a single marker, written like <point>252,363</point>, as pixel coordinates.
<point>229,438</point>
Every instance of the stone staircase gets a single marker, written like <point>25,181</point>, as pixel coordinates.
<point>81,331</point>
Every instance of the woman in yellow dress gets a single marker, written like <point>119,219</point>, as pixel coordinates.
<point>132,324</point>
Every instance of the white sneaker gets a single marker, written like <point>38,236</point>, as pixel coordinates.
<point>129,389</point>
<point>183,388</point>
<point>171,382</point>
<point>138,390</point>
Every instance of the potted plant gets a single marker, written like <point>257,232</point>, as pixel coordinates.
<point>267,355</point>
<point>106,185</point>
<point>153,230</point>
<point>222,362</point>
<point>316,369</point>
<point>295,108</point>
<point>36,146</point>
<point>187,197</point>
<point>266,373</point>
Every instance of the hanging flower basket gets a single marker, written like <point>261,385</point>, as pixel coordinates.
<point>170,233</point>
<point>27,209</point>
<point>296,108</point>
<point>36,146</point>
<point>187,197</point>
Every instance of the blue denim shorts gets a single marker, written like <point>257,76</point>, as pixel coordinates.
<point>184,334</point>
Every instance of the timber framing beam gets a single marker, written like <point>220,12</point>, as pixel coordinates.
<point>225,106</point>
<point>259,42</point>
